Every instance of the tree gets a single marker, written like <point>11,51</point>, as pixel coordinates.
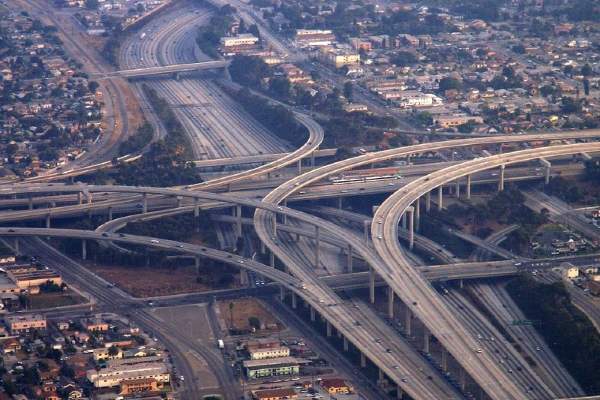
<point>93,86</point>
<point>586,87</point>
<point>403,58</point>
<point>348,90</point>
<point>249,70</point>
<point>113,351</point>
<point>280,87</point>
<point>448,83</point>
<point>254,323</point>
<point>91,4</point>
<point>586,70</point>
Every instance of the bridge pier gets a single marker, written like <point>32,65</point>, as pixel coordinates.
<point>404,221</point>
<point>272,259</point>
<point>350,259</point>
<point>547,169</point>
<point>299,166</point>
<point>238,225</point>
<point>30,200</point>
<point>411,227</point>
<point>462,379</point>
<point>79,198</point>
<point>366,230</point>
<point>457,189</point>
<point>110,213</point>
<point>313,316</point>
<point>417,207</point>
<point>47,221</point>
<point>17,246</point>
<point>197,213</point>
<point>83,249</point>
<point>179,200</point>
<point>408,322</point>
<point>345,342</point>
<point>317,246</point>
<point>340,201</point>
<point>426,338</point>
<point>399,393</point>
<point>468,187</point>
<point>328,327</point>
<point>390,308</point>
<point>294,301</point>
<point>444,360</point>
<point>440,197</point>
<point>197,264</point>
<point>284,216</point>
<point>428,201</point>
<point>144,203</point>
<point>371,285</point>
<point>501,178</point>
<point>363,360</point>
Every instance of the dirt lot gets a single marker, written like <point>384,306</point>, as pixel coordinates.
<point>50,300</point>
<point>244,309</point>
<point>151,281</point>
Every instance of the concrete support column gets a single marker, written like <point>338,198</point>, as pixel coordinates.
<point>30,203</point>
<point>340,202</point>
<point>426,338</point>
<point>440,197</point>
<point>281,293</point>
<point>468,187</point>
<point>408,322</point>
<point>47,221</point>
<point>547,169</point>
<point>17,246</point>
<point>317,246</point>
<point>457,190</point>
<point>345,341</point>
<point>263,248</point>
<point>79,198</point>
<point>404,221</point>
<point>371,285</point>
<point>366,229</point>
<point>427,201</point>
<point>381,377</point>
<point>144,203</point>
<point>83,249</point>
<point>197,213</point>
<point>110,213</point>
<point>363,360</point>
<point>411,228</point>
<point>462,379</point>
<point>417,207</point>
<point>461,283</point>
<point>197,264</point>
<point>444,360</point>
<point>501,178</point>
<point>390,310</point>
<point>238,222</point>
<point>179,201</point>
<point>328,326</point>
<point>313,316</point>
<point>272,259</point>
<point>350,259</point>
<point>399,393</point>
<point>294,301</point>
<point>284,216</point>
<point>299,166</point>
<point>312,159</point>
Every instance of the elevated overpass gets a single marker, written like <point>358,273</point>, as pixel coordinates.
<point>164,70</point>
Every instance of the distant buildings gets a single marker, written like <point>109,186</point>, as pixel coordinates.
<point>314,37</point>
<point>25,323</point>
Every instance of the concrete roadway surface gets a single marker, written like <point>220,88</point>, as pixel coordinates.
<point>415,291</point>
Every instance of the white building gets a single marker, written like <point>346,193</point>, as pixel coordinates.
<point>114,375</point>
<point>244,39</point>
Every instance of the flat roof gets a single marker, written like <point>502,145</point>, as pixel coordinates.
<point>271,362</point>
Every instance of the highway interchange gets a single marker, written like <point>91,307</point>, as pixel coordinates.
<point>219,134</point>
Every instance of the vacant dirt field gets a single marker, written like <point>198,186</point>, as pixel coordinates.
<point>151,281</point>
<point>244,309</point>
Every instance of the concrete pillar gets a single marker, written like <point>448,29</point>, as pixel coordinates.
<point>399,393</point>
<point>462,378</point>
<point>238,222</point>
<point>179,200</point>
<point>547,167</point>
<point>328,326</point>
<point>457,190</point>
<point>460,283</point>
<point>366,229</point>
<point>350,259</point>
<point>144,203</point>
<point>468,187</point>
<point>371,285</point>
<point>440,197</point>
<point>381,377</point>
<point>340,201</point>
<point>363,360</point>
<point>47,221</point>
<point>345,343</point>
<point>390,310</point>
<point>294,300</point>
<point>317,246</point>
<point>281,293</point>
<point>110,213</point>
<point>196,207</point>
<point>427,201</point>
<point>17,246</point>
<point>272,259</point>
<point>263,248</point>
<point>312,314</point>
<point>83,249</point>
<point>52,204</point>
<point>408,322</point>
<point>79,198</point>
<point>501,178</point>
<point>299,167</point>
<point>30,203</point>
<point>426,337</point>
<point>312,159</point>
<point>444,360</point>
<point>411,228</point>
<point>417,207</point>
<point>404,221</point>
<point>197,264</point>
<point>284,216</point>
